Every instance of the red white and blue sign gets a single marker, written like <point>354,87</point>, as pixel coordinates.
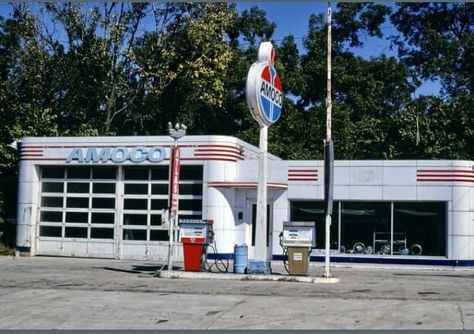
<point>264,90</point>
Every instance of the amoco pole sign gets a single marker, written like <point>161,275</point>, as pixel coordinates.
<point>264,92</point>
<point>264,99</point>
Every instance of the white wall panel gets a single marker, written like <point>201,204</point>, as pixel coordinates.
<point>434,193</point>
<point>460,247</point>
<point>461,222</point>
<point>399,193</point>
<point>461,198</point>
<point>399,176</point>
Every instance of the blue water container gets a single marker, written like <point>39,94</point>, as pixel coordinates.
<point>241,254</point>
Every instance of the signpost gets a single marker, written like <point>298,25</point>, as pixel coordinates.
<point>177,132</point>
<point>328,155</point>
<point>264,99</point>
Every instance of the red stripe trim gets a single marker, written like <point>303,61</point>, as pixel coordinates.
<point>230,150</point>
<point>79,145</point>
<point>445,171</point>
<point>302,170</point>
<point>445,175</point>
<point>98,146</point>
<point>193,159</point>
<point>245,185</point>
<point>219,155</point>
<point>302,174</point>
<point>31,155</point>
<point>302,179</point>
<point>445,180</point>
<point>48,159</point>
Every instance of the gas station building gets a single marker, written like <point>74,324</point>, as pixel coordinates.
<point>103,197</point>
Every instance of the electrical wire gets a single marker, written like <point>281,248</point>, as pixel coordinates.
<point>222,266</point>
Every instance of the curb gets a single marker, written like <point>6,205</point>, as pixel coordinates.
<point>245,277</point>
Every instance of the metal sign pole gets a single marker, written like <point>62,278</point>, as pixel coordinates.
<point>260,257</point>
<point>172,214</point>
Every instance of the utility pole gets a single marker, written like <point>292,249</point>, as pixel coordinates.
<point>328,154</point>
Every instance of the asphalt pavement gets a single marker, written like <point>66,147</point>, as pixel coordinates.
<point>74,293</point>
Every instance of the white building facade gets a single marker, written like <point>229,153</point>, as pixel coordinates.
<point>103,196</point>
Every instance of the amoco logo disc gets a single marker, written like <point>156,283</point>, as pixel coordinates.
<point>264,91</point>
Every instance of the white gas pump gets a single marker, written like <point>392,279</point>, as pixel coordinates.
<point>297,239</point>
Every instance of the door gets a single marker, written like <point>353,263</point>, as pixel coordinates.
<point>253,221</point>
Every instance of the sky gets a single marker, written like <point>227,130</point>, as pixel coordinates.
<point>291,18</point>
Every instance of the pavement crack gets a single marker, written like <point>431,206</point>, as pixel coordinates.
<point>241,301</point>
<point>461,315</point>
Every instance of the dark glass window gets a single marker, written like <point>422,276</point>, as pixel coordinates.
<point>155,219</point>
<point>135,204</point>
<point>104,173</point>
<point>190,204</point>
<point>159,235</point>
<point>77,202</point>
<point>133,173</point>
<point>76,232</point>
<point>50,231</point>
<point>76,187</point>
<point>103,203</point>
<point>191,173</point>
<point>78,172</point>
<point>76,217</point>
<point>102,233</point>
<point>190,189</point>
<point>52,172</point>
<point>159,204</point>
<point>134,219</point>
<point>52,187</point>
<point>103,218</point>
<point>423,225</point>
<point>51,216</point>
<point>136,189</point>
<point>159,189</point>
<point>52,202</point>
<point>134,234</point>
<point>160,173</point>
<point>314,211</point>
<point>103,188</point>
<point>364,226</point>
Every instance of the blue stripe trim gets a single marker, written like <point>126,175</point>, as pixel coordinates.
<point>361,259</point>
<point>387,260</point>
<point>220,256</point>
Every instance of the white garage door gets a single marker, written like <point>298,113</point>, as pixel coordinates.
<point>111,212</point>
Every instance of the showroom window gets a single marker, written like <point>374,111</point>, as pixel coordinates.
<point>314,211</point>
<point>424,226</point>
<point>379,228</point>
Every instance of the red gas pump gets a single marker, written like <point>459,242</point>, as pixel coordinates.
<point>194,235</point>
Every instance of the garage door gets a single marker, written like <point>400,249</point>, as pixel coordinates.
<point>111,212</point>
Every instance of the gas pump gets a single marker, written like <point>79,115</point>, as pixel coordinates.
<point>297,239</point>
<point>195,235</point>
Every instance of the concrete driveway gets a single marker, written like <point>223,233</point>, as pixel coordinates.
<point>71,293</point>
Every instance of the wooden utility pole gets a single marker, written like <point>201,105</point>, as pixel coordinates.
<point>328,154</point>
